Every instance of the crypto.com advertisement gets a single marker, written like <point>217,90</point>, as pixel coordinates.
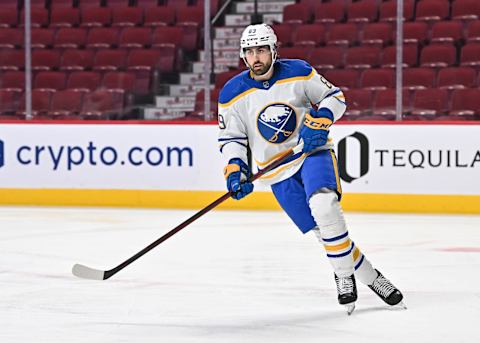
<point>381,159</point>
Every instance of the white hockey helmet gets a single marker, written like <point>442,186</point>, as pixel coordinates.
<point>258,35</point>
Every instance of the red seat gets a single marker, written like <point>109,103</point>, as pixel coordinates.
<point>61,3</point>
<point>470,55</point>
<point>222,78</point>
<point>343,34</point>
<point>466,10</point>
<point>13,81</point>
<point>8,101</point>
<point>167,36</point>
<point>151,59</point>
<point>159,16</point>
<point>284,34</point>
<point>40,102</point>
<point>190,15</point>
<point>455,78</point>
<point>386,102</point>
<point>45,59</point>
<point>127,16</point>
<point>362,57</point>
<point>359,102</point>
<point>466,102</point>
<point>296,14</point>
<point>329,57</point>
<point>38,17</point>
<point>70,38</point>
<point>37,3</point>
<point>117,3</point>
<point>447,32</point>
<point>8,17</point>
<point>344,78</point>
<point>12,59</point>
<point>432,10</point>
<point>9,4</point>
<point>64,17</point>
<point>473,32</point>
<point>419,78</point>
<point>410,56</point>
<point>102,38</point>
<point>76,60</point>
<point>377,79</point>
<point>135,37</point>
<point>84,81</point>
<point>147,4</point>
<point>363,11</point>
<point>199,109</point>
<point>50,81</point>
<point>66,103</point>
<point>388,10</point>
<point>101,104</point>
<point>11,38</point>
<point>89,3</point>
<point>119,82</point>
<point>294,53</point>
<point>310,35</point>
<point>438,55</point>
<point>42,38</point>
<point>96,17</point>
<point>330,12</point>
<point>415,33</point>
<point>110,60</point>
<point>378,34</point>
<point>430,102</point>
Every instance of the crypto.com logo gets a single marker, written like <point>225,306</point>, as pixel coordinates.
<point>342,156</point>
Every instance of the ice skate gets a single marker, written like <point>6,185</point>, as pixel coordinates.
<point>347,292</point>
<point>387,291</point>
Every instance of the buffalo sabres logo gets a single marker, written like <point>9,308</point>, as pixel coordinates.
<point>277,122</point>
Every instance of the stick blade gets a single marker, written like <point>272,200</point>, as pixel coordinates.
<point>84,272</point>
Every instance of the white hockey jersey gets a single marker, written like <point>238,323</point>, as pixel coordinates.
<point>267,115</point>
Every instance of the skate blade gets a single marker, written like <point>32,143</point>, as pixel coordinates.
<point>350,308</point>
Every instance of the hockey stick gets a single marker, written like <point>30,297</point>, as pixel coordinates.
<point>85,272</point>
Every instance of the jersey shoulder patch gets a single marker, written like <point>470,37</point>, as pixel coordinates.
<point>233,88</point>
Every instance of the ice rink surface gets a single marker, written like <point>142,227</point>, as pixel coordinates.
<point>230,277</point>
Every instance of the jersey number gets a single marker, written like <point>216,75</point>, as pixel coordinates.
<point>221,122</point>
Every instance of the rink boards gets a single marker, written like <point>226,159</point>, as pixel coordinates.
<point>384,167</point>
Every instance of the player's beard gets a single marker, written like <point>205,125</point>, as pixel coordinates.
<point>260,70</point>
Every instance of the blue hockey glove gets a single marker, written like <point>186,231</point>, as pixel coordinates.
<point>315,128</point>
<point>236,174</point>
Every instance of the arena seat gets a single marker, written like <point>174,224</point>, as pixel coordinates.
<point>343,34</point>
<point>89,3</point>
<point>101,104</point>
<point>466,10</point>
<point>8,17</point>
<point>110,60</point>
<point>50,81</point>
<point>76,60</point>
<point>11,38</point>
<point>376,79</point>
<point>284,34</point>
<point>61,3</point>
<point>438,55</point>
<point>385,102</point>
<point>447,32</point>
<point>135,37</point>
<point>473,32</point>
<point>466,102</point>
<point>359,103</point>
<point>127,16</point>
<point>363,11</point>
<point>119,82</point>
<point>167,36</point>
<point>344,78</point>
<point>102,38</point>
<point>71,38</point>
<point>296,14</point>
<point>64,17</point>
<point>38,17</point>
<point>84,81</point>
<point>13,81</point>
<point>42,38</point>
<point>8,101</point>
<point>117,3</point>
<point>430,102</point>
<point>419,78</point>
<point>415,33</point>
<point>363,57</point>
<point>409,52</point>
<point>432,10</point>
<point>470,55</point>
<point>159,16</point>
<point>379,34</point>
<point>96,16</point>
<point>457,78</point>
<point>43,60</point>
<point>12,59</point>
<point>310,35</point>
<point>330,12</point>
<point>65,103</point>
<point>388,10</point>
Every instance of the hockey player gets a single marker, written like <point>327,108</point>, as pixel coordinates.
<point>270,108</point>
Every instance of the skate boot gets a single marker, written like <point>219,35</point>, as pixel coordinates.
<point>387,291</point>
<point>347,292</point>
